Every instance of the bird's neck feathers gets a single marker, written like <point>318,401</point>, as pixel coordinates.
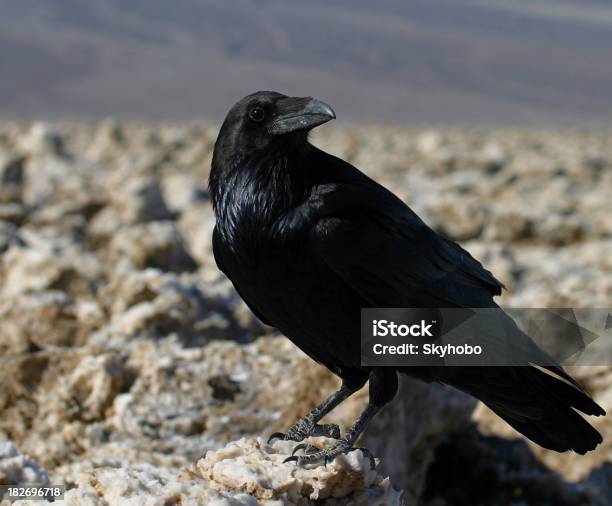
<point>250,192</point>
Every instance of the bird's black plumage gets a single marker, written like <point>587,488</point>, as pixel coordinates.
<point>308,240</point>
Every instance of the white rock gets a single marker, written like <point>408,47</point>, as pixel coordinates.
<point>244,473</point>
<point>16,468</point>
<point>43,138</point>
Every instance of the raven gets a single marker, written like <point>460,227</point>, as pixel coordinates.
<point>308,240</point>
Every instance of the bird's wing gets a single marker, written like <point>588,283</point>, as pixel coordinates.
<point>391,258</point>
<point>384,252</point>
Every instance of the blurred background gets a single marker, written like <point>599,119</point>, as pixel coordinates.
<point>125,355</point>
<point>496,62</point>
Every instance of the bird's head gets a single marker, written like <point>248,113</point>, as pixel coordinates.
<point>266,119</point>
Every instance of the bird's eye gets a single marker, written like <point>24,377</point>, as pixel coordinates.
<point>256,114</point>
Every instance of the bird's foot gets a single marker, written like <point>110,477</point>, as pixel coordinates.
<point>304,428</point>
<point>325,455</point>
<point>306,447</point>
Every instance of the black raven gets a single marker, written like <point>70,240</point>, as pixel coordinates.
<point>308,240</point>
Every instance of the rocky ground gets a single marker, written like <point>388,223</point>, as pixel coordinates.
<point>131,371</point>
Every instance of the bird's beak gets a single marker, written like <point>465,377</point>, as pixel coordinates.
<point>300,114</point>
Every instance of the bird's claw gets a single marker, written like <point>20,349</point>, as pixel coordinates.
<point>308,448</point>
<point>299,447</point>
<point>276,435</point>
<point>327,454</point>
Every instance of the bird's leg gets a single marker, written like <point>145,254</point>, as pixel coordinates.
<point>308,426</point>
<point>383,387</point>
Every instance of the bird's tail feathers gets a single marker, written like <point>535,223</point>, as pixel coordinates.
<point>540,403</point>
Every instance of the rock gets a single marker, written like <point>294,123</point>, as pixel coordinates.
<point>598,484</point>
<point>16,468</point>
<point>161,308</point>
<point>27,270</point>
<point>141,201</point>
<point>408,431</point>
<point>509,226</point>
<point>197,223</point>
<point>61,400</point>
<point>34,269</point>
<point>11,177</point>
<point>177,405</point>
<point>181,191</point>
<point>9,236</point>
<point>256,468</point>
<point>494,157</point>
<point>156,245</point>
<point>144,485</point>
<point>472,469</point>
<point>578,275</point>
<point>94,384</point>
<point>45,177</point>
<point>246,472</point>
<point>155,304</point>
<point>43,139</point>
<point>125,353</point>
<point>14,213</point>
<point>40,320</point>
<point>559,230</point>
<point>458,221</point>
<point>11,170</point>
<point>108,141</point>
<point>197,154</point>
<point>152,403</point>
<point>432,144</point>
<point>429,142</point>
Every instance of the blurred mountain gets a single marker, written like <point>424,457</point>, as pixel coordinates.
<point>537,62</point>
